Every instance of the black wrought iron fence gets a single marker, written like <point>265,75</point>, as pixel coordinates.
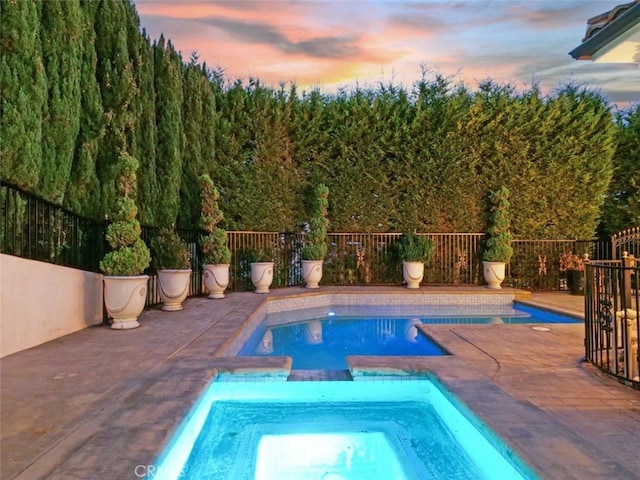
<point>626,241</point>
<point>360,259</point>
<point>370,259</point>
<point>612,318</point>
<point>36,229</point>
<point>535,263</point>
<point>282,248</point>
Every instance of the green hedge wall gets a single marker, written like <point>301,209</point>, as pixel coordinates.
<point>82,85</point>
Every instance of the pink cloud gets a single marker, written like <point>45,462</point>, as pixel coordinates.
<point>331,43</point>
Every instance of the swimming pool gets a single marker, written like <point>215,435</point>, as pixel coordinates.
<point>377,430</point>
<point>320,338</point>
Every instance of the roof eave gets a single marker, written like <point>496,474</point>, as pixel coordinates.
<point>587,49</point>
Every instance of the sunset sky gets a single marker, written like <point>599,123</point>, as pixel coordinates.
<point>331,44</point>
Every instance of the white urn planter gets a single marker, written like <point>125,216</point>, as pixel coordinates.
<point>216,279</point>
<point>312,273</point>
<point>494,274</point>
<point>413,273</point>
<point>174,288</point>
<point>124,299</point>
<point>262,276</point>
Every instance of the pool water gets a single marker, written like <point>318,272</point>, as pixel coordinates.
<point>321,338</point>
<point>315,344</point>
<point>335,430</point>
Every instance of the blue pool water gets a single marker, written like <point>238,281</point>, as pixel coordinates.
<point>316,345</point>
<point>378,430</point>
<point>321,338</point>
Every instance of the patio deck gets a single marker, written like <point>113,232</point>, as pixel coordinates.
<point>99,403</point>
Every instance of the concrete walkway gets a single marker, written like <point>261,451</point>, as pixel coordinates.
<point>100,404</point>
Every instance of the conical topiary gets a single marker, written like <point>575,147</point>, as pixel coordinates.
<point>129,254</point>
<point>214,244</point>
<point>497,245</point>
<point>315,247</point>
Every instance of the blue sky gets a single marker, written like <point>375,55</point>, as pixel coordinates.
<point>331,44</point>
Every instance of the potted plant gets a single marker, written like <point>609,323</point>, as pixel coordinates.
<point>261,264</point>
<point>414,251</point>
<point>172,260</point>
<point>216,253</point>
<point>125,285</point>
<point>573,266</point>
<point>315,244</point>
<point>497,251</point>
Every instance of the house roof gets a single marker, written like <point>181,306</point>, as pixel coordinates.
<point>619,29</point>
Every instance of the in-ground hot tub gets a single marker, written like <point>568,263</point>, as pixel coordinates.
<point>335,430</point>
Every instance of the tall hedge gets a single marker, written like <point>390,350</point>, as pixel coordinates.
<point>83,181</point>
<point>198,152</point>
<point>142,137</point>
<point>622,203</point>
<point>83,85</point>
<point>61,37</point>
<point>258,179</point>
<point>115,76</point>
<point>24,93</point>
<point>168,108</point>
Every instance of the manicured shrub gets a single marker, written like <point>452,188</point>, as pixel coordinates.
<point>214,244</point>
<point>129,255</point>
<point>315,245</point>
<point>497,245</point>
<point>415,248</point>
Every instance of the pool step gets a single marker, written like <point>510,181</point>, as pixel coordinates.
<point>319,375</point>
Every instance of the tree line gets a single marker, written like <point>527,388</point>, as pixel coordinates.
<point>82,84</point>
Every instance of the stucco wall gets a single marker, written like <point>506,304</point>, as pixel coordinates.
<point>40,302</point>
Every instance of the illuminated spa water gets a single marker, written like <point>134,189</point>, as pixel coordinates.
<point>377,430</point>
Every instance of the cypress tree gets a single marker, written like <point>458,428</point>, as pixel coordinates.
<point>84,183</point>
<point>196,156</point>
<point>143,137</point>
<point>258,176</point>
<point>211,119</point>
<point>114,72</point>
<point>571,173</point>
<point>234,154</point>
<point>439,181</point>
<point>24,93</point>
<point>275,165</point>
<point>168,88</point>
<point>621,209</point>
<point>357,158</point>
<point>61,36</point>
